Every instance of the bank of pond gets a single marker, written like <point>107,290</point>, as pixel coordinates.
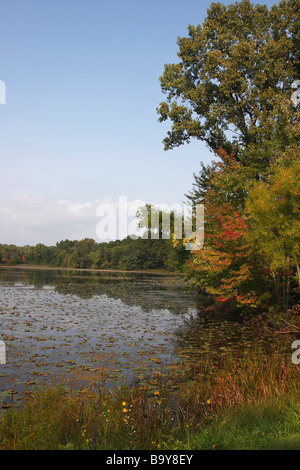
<point>129,360</point>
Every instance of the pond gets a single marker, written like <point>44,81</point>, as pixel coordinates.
<point>78,328</point>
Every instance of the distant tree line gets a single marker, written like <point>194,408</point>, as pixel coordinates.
<point>127,254</point>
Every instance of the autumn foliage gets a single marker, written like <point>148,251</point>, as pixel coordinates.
<point>250,258</point>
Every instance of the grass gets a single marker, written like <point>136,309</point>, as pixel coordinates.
<point>250,402</point>
<point>274,425</point>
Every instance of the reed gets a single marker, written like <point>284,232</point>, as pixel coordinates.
<point>147,418</point>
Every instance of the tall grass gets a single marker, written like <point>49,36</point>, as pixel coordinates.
<point>253,378</point>
<point>144,418</point>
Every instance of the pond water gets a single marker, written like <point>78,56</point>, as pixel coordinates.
<point>77,328</point>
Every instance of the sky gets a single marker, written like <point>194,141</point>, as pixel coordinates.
<point>79,126</point>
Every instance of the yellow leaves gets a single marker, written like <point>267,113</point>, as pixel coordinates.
<point>174,240</point>
<point>157,361</point>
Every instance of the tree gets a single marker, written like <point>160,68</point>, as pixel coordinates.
<point>81,258</point>
<point>273,209</point>
<point>225,181</point>
<point>232,85</point>
<point>222,269</point>
<point>251,253</point>
<point>158,223</point>
<point>232,89</point>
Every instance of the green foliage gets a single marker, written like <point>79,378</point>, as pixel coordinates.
<point>274,217</point>
<point>232,85</point>
<point>274,210</point>
<point>232,89</point>
<point>127,254</point>
<point>251,253</point>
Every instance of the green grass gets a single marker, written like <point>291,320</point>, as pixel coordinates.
<point>54,421</point>
<point>250,402</point>
<point>274,425</point>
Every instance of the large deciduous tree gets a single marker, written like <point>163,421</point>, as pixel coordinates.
<point>233,88</point>
<point>232,85</point>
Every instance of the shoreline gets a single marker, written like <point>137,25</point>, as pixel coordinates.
<point>61,268</point>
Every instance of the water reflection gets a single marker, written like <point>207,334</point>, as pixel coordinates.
<point>79,327</point>
<point>219,334</point>
<point>148,291</point>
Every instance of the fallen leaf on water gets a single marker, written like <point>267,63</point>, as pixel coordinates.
<point>157,361</point>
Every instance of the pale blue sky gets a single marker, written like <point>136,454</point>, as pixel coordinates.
<point>80,125</point>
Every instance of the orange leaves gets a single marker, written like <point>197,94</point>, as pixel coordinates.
<point>222,263</point>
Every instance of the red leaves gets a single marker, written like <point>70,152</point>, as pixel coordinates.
<point>226,224</point>
<point>223,261</point>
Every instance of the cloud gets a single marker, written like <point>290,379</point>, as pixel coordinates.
<point>27,221</point>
